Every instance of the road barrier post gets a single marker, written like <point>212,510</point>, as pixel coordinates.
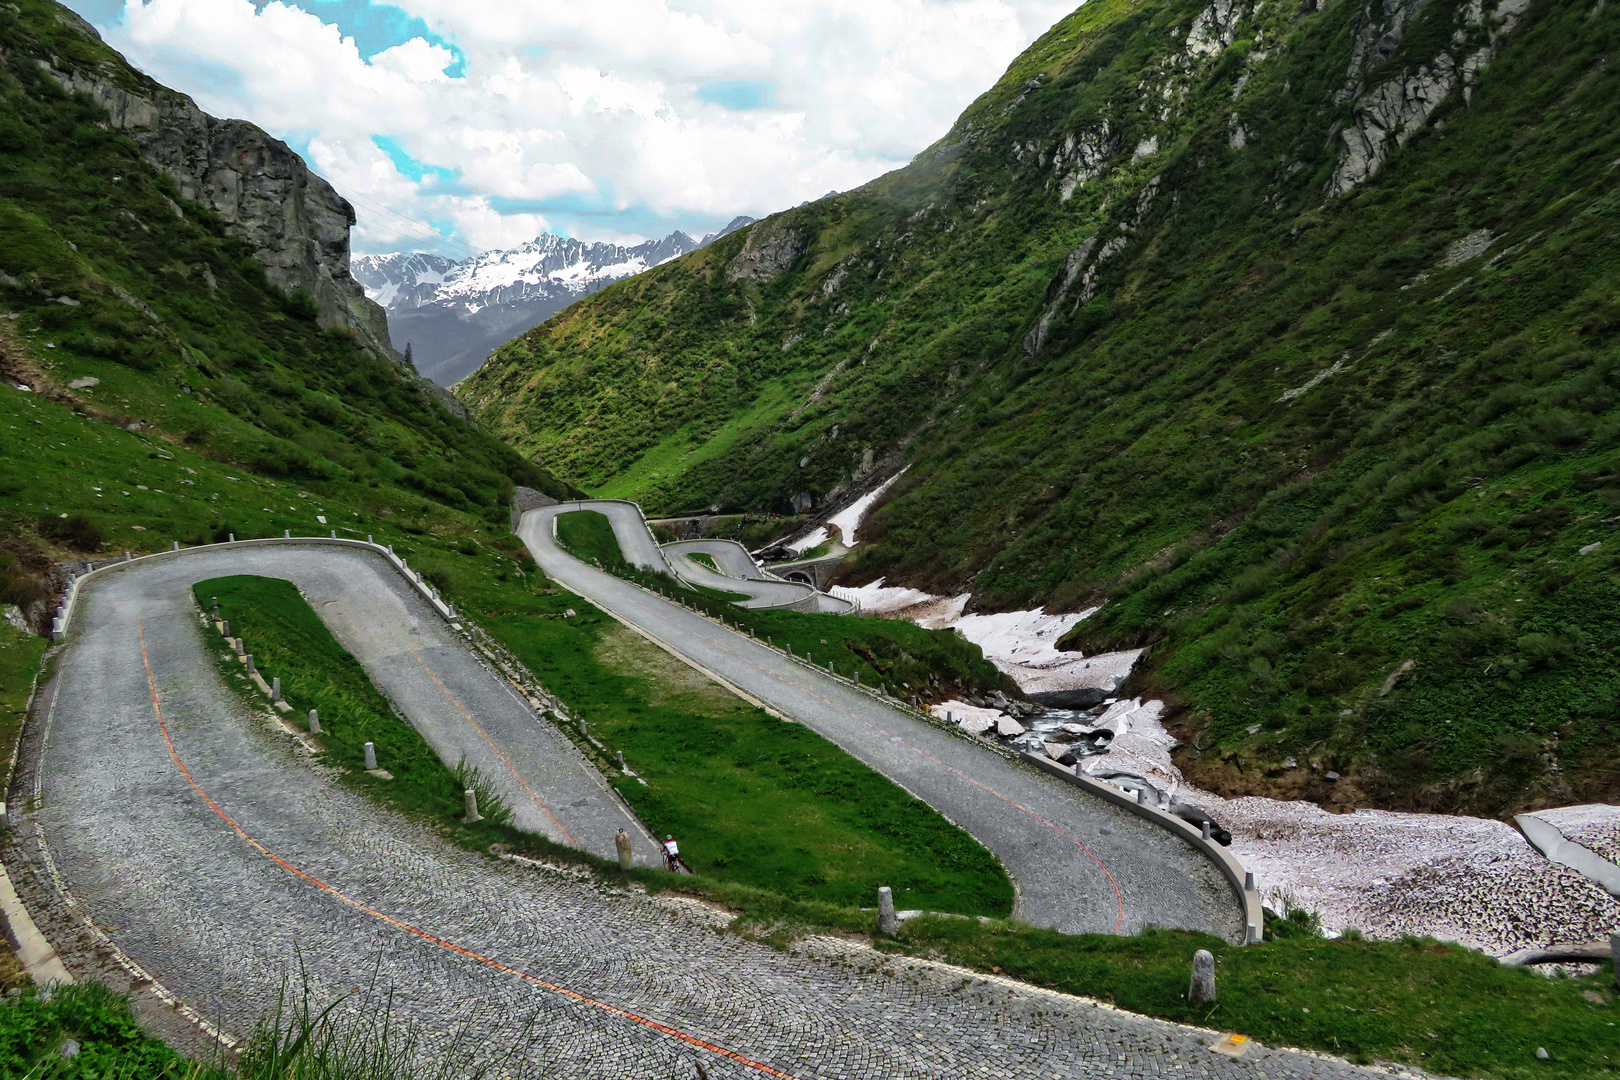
<point>471,798</point>
<point>626,856</point>
<point>251,670</point>
<point>314,722</point>
<point>371,758</point>
<point>1201,991</point>
<point>887,923</point>
<point>275,688</point>
<point>175,546</point>
<point>232,539</point>
<point>620,755</point>
<point>1204,827</point>
<point>286,534</point>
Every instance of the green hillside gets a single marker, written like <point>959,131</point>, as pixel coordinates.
<point>156,386</point>
<point>1288,331</point>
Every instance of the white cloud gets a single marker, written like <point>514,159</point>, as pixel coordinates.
<point>585,116</point>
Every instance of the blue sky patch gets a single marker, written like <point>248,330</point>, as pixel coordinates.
<point>736,94</point>
<point>408,166</point>
<point>376,27</point>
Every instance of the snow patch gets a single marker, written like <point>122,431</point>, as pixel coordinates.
<point>846,521</point>
<point>1387,874</point>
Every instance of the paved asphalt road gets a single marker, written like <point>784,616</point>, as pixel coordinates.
<point>1080,864</point>
<point>199,838</point>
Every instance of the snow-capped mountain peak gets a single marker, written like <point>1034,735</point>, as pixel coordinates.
<point>453,313</point>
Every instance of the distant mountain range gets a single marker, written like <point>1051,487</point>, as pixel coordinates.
<point>452,314</point>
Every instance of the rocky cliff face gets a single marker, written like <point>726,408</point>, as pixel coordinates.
<point>297,224</point>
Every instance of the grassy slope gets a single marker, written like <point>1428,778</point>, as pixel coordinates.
<point>1426,503</point>
<point>216,368</point>
<point>752,798</point>
<point>19,662</point>
<point>933,664</point>
<point>288,640</point>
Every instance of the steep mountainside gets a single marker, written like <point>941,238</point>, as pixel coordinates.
<point>158,383</point>
<point>297,224</point>
<point>1287,332</point>
<point>453,313</point>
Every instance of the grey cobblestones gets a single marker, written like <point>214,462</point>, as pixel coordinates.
<point>220,924</point>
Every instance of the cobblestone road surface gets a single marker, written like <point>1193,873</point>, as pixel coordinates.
<point>1080,864</point>
<point>577,979</point>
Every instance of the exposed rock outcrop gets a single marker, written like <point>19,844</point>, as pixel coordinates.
<point>771,248</point>
<point>1386,115</point>
<point>297,224</point>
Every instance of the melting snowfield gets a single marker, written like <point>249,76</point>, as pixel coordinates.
<point>1463,879</point>
<point>1021,643</point>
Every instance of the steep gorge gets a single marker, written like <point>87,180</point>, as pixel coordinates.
<point>1287,332</point>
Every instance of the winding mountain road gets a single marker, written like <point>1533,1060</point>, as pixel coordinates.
<point>738,572</point>
<point>1080,864</point>
<point>172,839</point>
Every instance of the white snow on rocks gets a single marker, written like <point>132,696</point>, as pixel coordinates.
<point>1021,643</point>
<point>847,520</point>
<point>1465,879</point>
<point>1387,874</point>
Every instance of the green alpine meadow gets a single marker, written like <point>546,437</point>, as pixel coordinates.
<point>1285,332</point>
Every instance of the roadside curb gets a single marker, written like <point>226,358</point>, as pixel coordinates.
<point>1242,881</point>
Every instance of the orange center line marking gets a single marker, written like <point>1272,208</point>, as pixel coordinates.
<point>572,995</point>
<point>485,736</point>
<point>1119,897</point>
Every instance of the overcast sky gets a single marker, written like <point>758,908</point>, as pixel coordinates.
<point>459,125</point>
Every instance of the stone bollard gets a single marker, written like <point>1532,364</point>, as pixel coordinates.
<point>175,546</point>
<point>1205,829</point>
<point>369,540</point>
<point>314,722</point>
<point>251,670</point>
<point>1201,991</point>
<point>286,534</point>
<point>829,667</point>
<point>950,717</point>
<point>232,539</point>
<point>471,798</point>
<point>371,758</point>
<point>275,688</point>
<point>621,840</point>
<point>883,688</point>
<point>857,676</point>
<point>1141,796</point>
<point>620,755</point>
<point>1248,881</point>
<point>225,628</point>
<point>334,534</point>
<point>128,556</point>
<point>887,923</point>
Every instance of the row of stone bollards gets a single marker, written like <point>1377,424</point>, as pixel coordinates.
<point>1201,991</point>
